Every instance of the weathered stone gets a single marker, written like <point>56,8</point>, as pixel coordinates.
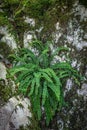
<point>2,71</point>
<point>12,115</point>
<point>83,91</point>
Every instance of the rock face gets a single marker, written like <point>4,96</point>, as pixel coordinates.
<point>83,91</point>
<point>15,114</point>
<point>7,38</point>
<point>2,71</point>
<point>72,34</point>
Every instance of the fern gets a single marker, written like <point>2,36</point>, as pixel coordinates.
<point>17,69</point>
<point>32,88</point>
<point>44,93</point>
<point>41,81</point>
<point>37,80</point>
<point>58,50</point>
<point>48,111</point>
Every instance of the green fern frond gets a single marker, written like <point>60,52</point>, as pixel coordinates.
<point>16,58</point>
<point>43,53</point>
<point>46,77</point>
<point>32,87</point>
<point>17,69</point>
<point>61,65</point>
<point>37,79</point>
<point>45,93</point>
<point>76,80</point>
<point>58,50</point>
<point>64,76</point>
<point>40,80</point>
<point>46,71</point>
<point>38,45</point>
<point>36,105</point>
<point>56,90</point>
<point>31,56</point>
<point>22,76</point>
<point>48,111</point>
<point>53,101</point>
<point>24,83</point>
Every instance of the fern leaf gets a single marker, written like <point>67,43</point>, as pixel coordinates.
<point>56,90</point>
<point>46,71</point>
<point>18,12</point>
<point>22,76</point>
<point>46,77</point>
<point>61,65</point>
<point>48,111</point>
<point>44,52</point>
<point>36,106</point>
<point>32,87</point>
<point>37,79</point>
<point>53,101</point>
<point>76,80</point>
<point>60,49</point>
<point>17,69</point>
<point>24,85</point>
<point>45,93</point>
<point>38,45</point>
<point>53,74</point>
<point>32,56</point>
<point>16,58</point>
<point>63,76</point>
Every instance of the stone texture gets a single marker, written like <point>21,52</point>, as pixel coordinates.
<point>83,91</point>
<point>2,71</point>
<point>12,116</point>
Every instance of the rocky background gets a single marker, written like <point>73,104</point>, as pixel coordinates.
<point>67,27</point>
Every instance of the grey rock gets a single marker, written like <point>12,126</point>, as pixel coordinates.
<point>12,116</point>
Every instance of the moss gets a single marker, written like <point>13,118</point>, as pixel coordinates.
<point>5,50</point>
<point>83,2</point>
<point>5,92</point>
<point>45,12</point>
